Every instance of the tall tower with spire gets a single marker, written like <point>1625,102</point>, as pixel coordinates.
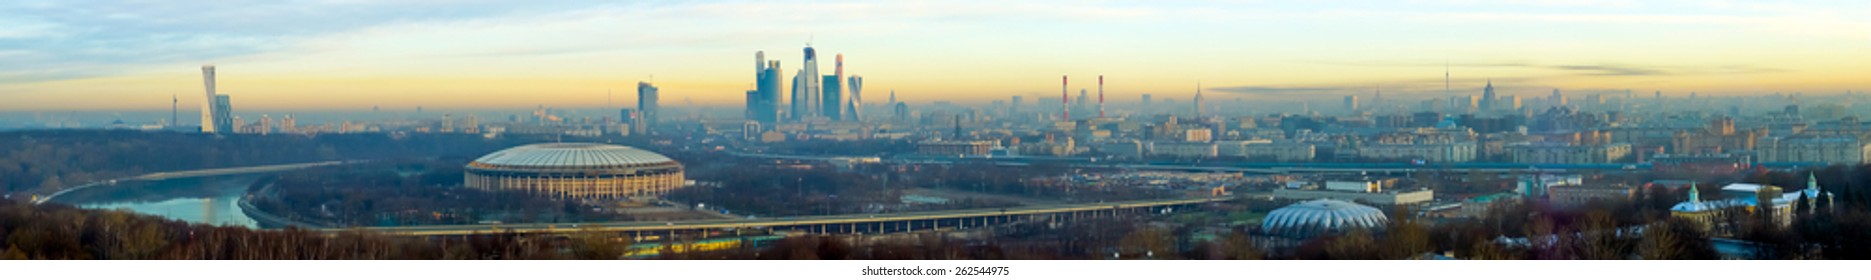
<point>1198,99</point>
<point>814,86</point>
<point>1487,96</point>
<point>1377,98</point>
<point>1558,100</point>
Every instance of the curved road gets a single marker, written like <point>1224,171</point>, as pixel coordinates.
<point>197,173</point>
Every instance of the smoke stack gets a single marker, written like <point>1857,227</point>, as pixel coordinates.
<point>1065,101</point>
<point>1100,96</point>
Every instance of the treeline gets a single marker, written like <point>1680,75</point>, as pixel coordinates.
<point>874,147</point>
<point>768,188</point>
<point>406,192</point>
<point>1124,237</point>
<point>41,161</point>
<point>62,232</point>
<point>986,177</point>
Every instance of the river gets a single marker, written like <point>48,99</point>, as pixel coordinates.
<point>206,200</point>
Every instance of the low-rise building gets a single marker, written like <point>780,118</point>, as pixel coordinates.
<point>1577,195</point>
<point>1129,149</point>
<point>1387,197</point>
<point>955,148</point>
<point>1477,207</point>
<point>1371,191</point>
<point>1282,152</point>
<point>1828,150</point>
<point>1536,185</point>
<point>1562,153</point>
<point>1430,152</point>
<point>1745,199</point>
<point>1183,150</point>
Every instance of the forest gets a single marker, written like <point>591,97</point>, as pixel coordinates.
<point>768,188</point>
<point>405,192</point>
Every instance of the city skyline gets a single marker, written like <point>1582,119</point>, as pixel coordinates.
<point>67,58</point>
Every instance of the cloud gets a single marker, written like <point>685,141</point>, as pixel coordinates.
<point>1464,64</point>
<point>77,39</point>
<point>1611,70</point>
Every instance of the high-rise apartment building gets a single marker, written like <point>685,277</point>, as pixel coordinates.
<point>223,117</point>
<point>813,87</point>
<point>763,103</point>
<point>646,107</point>
<point>831,104</point>
<point>210,116</point>
<point>834,100</point>
<point>857,99</point>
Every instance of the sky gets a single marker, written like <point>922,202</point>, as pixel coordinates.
<point>351,55</point>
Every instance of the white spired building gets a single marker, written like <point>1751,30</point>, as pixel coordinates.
<point>577,171</point>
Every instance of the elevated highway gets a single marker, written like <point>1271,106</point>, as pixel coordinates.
<point>852,223</point>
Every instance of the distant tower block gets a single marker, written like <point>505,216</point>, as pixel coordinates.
<point>1100,96</point>
<point>857,99</point>
<point>207,104</point>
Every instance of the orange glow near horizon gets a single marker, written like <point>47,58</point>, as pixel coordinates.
<point>968,54</point>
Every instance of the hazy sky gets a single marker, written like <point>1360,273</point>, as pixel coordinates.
<point>345,54</point>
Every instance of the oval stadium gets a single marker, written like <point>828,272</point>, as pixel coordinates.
<point>1322,216</point>
<point>576,171</point>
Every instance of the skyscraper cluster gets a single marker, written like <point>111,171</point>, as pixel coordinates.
<point>833,97</point>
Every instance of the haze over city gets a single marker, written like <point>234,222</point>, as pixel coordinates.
<point>342,55</point>
<point>886,138</point>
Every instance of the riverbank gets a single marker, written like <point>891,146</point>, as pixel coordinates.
<point>194,173</point>
<point>264,219</point>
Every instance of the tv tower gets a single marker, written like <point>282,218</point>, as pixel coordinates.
<point>1100,96</point>
<point>1065,101</point>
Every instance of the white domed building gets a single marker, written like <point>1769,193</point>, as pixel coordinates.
<point>1322,216</point>
<point>577,171</point>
